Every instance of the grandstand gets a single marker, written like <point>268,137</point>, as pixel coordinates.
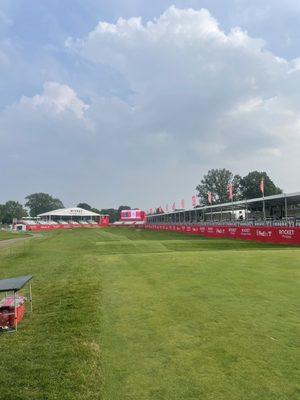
<point>63,218</point>
<point>273,218</point>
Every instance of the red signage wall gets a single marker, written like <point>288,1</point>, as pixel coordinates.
<point>280,235</point>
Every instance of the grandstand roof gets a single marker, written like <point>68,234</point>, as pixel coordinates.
<point>70,212</point>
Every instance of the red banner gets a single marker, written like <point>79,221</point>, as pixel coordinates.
<point>262,186</point>
<point>280,235</point>
<point>230,191</point>
<point>194,201</point>
<point>209,197</point>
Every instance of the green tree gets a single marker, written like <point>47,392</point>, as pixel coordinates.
<point>1,212</point>
<point>216,181</point>
<point>10,210</point>
<point>112,212</point>
<point>39,203</point>
<point>250,185</point>
<point>85,206</point>
<point>95,210</point>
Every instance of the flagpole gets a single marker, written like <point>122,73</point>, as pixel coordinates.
<point>230,195</point>
<point>263,195</point>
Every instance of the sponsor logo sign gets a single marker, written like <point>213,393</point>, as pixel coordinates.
<point>287,233</point>
<point>263,233</point>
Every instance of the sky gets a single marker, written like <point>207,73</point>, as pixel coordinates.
<point>131,102</point>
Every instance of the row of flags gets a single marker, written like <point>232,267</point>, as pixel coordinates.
<point>230,191</point>
<point>210,198</point>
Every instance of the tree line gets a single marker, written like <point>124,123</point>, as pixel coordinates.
<point>217,181</point>
<point>214,189</point>
<point>114,213</point>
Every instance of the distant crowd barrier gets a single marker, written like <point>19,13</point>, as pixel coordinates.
<point>60,226</point>
<point>279,235</point>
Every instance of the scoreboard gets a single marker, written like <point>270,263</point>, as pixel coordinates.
<point>132,215</point>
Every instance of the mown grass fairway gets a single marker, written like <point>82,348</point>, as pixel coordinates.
<point>121,314</point>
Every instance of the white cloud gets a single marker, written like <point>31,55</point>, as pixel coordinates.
<point>196,82</point>
<point>5,19</point>
<point>56,98</point>
<point>4,59</point>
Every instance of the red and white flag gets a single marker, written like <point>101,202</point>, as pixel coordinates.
<point>182,203</point>
<point>262,186</point>
<point>194,201</point>
<point>230,191</point>
<point>173,207</point>
<point>209,197</point>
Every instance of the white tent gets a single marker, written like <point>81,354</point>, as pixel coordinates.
<point>69,212</point>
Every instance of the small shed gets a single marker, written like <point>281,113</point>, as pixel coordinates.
<point>12,305</point>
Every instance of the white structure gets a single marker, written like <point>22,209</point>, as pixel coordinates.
<point>74,214</point>
<point>74,217</point>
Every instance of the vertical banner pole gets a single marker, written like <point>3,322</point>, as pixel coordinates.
<point>262,189</point>
<point>286,210</point>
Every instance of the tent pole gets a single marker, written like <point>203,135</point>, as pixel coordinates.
<point>30,297</point>
<point>15,312</point>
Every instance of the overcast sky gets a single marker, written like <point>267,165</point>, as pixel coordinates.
<point>131,102</point>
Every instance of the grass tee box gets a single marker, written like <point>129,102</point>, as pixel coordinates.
<point>12,307</point>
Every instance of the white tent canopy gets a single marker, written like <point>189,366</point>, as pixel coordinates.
<point>69,212</point>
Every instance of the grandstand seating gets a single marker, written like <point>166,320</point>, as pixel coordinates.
<point>28,222</point>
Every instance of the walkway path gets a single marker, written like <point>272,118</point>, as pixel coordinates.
<point>8,242</point>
